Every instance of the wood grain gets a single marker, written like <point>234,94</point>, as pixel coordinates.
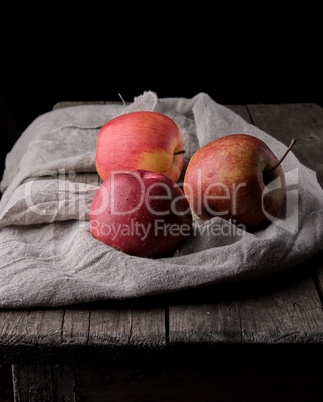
<point>291,313</point>
<point>235,321</point>
<point>43,382</point>
<point>304,122</point>
<point>282,310</point>
<point>142,327</point>
<point>31,327</point>
<point>301,121</point>
<point>205,323</point>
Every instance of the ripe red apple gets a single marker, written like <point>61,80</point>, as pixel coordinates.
<point>141,213</point>
<point>228,178</point>
<point>140,140</point>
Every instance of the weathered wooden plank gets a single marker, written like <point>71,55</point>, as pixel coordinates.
<point>110,327</point>
<point>43,382</point>
<point>209,323</point>
<point>114,327</point>
<point>285,314</point>
<point>148,328</point>
<point>31,327</point>
<point>292,314</point>
<point>288,314</point>
<point>26,334</point>
<point>304,122</point>
<point>75,328</point>
<point>29,384</point>
<point>54,328</point>
<point>318,273</point>
<point>282,309</point>
<point>128,327</point>
<point>241,110</point>
<point>301,121</point>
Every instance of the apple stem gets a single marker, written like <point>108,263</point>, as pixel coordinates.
<point>179,152</point>
<point>283,157</point>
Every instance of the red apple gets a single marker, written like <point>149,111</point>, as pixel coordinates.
<point>140,140</point>
<point>228,178</point>
<point>141,213</point>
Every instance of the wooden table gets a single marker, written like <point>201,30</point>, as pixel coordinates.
<point>258,341</point>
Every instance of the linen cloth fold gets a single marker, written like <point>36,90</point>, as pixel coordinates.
<point>48,256</point>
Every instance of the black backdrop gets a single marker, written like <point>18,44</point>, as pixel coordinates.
<point>37,72</point>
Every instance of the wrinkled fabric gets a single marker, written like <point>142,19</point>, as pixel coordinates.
<point>48,256</point>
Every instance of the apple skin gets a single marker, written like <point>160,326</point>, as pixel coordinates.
<point>225,178</point>
<point>140,140</point>
<point>141,213</point>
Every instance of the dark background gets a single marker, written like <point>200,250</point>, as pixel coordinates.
<point>241,62</point>
<point>237,55</point>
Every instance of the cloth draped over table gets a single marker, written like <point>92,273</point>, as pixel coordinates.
<point>48,256</point>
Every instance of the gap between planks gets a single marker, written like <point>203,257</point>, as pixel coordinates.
<point>290,313</point>
<point>241,318</point>
<point>305,123</point>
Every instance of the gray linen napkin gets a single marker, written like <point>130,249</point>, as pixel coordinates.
<point>48,256</point>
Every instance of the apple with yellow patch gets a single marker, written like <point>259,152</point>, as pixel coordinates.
<point>232,178</point>
<point>140,140</point>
